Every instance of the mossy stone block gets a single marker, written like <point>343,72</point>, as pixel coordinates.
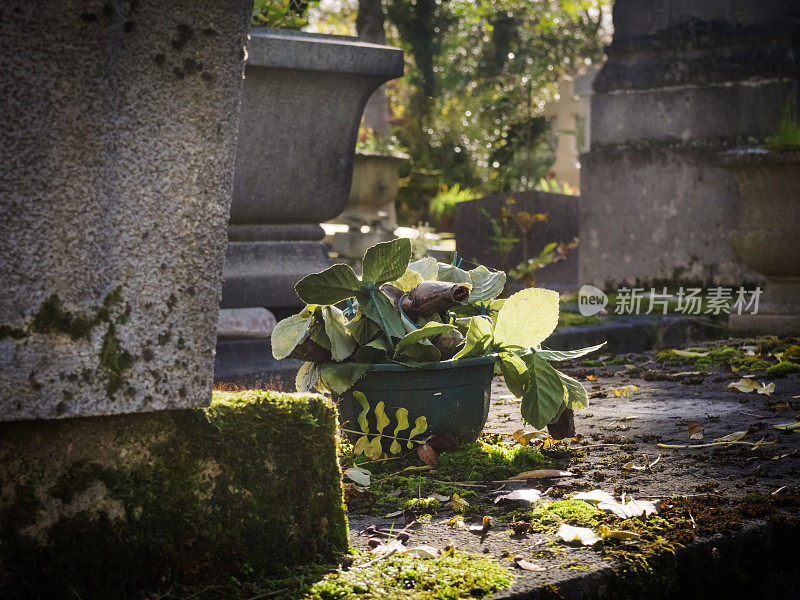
<point>122,506</point>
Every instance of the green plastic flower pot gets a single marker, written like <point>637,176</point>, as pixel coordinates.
<point>453,396</point>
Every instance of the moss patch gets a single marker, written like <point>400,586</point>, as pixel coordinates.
<point>782,369</point>
<point>117,506</point>
<point>402,578</point>
<point>713,356</point>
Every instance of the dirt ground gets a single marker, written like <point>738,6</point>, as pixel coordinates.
<point>635,405</point>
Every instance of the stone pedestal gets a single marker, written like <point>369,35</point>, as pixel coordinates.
<point>682,82</point>
<point>118,124</point>
<point>768,235</point>
<point>301,107</point>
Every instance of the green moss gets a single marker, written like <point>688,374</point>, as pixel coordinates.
<point>717,355</point>
<point>405,578</point>
<point>546,517</point>
<point>206,496</point>
<point>489,462</point>
<point>14,333</point>
<point>782,369</point>
<point>570,319</point>
<point>114,359</point>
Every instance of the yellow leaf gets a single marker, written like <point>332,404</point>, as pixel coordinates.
<point>360,444</point>
<point>743,385</point>
<point>380,414</point>
<point>374,450</point>
<point>420,425</point>
<point>527,318</point>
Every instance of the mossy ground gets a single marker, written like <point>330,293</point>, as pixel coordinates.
<point>774,357</point>
<point>392,488</point>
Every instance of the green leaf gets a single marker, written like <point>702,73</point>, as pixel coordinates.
<point>427,267</point>
<point>386,261</point>
<point>380,416</point>
<point>307,377</point>
<point>332,285</point>
<point>362,416</point>
<point>429,330</point>
<point>402,425</point>
<point>479,338</point>
<point>360,445</point>
<point>568,354</point>
<point>527,318</point>
<point>453,274</point>
<point>377,351</point>
<point>340,377</point>
<point>363,329</point>
<point>373,306</point>
<point>515,372</point>
<point>408,281</point>
<point>545,396</point>
<point>342,343</point>
<point>374,449</point>
<point>420,426</point>
<point>486,284</point>
<point>418,354</point>
<point>288,334</point>
<point>576,393</point>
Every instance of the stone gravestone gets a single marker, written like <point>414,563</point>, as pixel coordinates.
<point>302,102</point>
<point>118,124</point>
<point>473,231</point>
<point>683,81</point>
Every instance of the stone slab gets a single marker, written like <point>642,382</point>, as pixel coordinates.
<point>754,558</point>
<point>144,505</point>
<point>254,322</point>
<point>118,124</point>
<point>265,273</point>
<point>250,364</point>
<point>473,230</point>
<point>657,214</point>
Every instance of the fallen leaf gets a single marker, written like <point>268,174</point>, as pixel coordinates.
<point>423,551</point>
<point>618,534</point>
<point>524,437</point>
<point>782,406</point>
<point>634,508</point>
<point>690,354</point>
<point>358,474</point>
<point>439,497</point>
<point>527,495</point>
<point>415,469</point>
<point>442,442</point>
<point>542,474</point>
<point>392,547</point>
<point>428,456</point>
<point>788,426</point>
<point>482,527</point>
<point>527,565</point>
<point>747,385</point>
<point>584,535</point>
<point>594,497</point>
<point>765,389</point>
<point>591,377</point>
<point>732,437</point>
<point>458,523</point>
<point>695,430</point>
<point>458,504</point>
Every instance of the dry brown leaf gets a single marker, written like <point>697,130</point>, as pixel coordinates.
<point>423,551</point>
<point>527,565</point>
<point>695,430</point>
<point>542,474</point>
<point>428,456</point>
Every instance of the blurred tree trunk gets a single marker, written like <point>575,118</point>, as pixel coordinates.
<point>369,25</point>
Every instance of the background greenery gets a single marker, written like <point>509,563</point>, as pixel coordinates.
<point>478,75</point>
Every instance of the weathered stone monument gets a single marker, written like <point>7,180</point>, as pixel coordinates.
<point>301,107</point>
<point>683,81</point>
<point>118,123</point>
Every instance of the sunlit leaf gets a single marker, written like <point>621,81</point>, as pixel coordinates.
<point>332,285</point>
<point>570,533</point>
<point>288,333</point>
<point>386,261</point>
<point>527,318</point>
<point>479,338</point>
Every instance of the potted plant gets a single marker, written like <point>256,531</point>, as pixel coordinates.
<point>766,241</point>
<point>415,348</point>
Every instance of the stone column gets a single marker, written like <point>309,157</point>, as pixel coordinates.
<point>118,124</point>
<point>302,102</point>
<point>683,81</point>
